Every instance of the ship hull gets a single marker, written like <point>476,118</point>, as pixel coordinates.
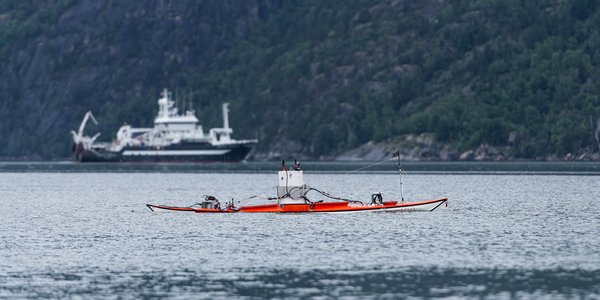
<point>188,152</point>
<point>323,207</point>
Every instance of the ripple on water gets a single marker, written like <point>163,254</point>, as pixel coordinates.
<point>290,283</point>
<point>89,234</point>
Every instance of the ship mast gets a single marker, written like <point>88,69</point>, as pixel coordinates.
<point>163,104</point>
<point>226,115</point>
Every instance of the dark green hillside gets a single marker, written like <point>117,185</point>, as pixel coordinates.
<point>23,19</point>
<point>310,78</point>
<point>332,75</point>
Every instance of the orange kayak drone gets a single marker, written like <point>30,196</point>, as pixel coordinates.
<point>292,198</point>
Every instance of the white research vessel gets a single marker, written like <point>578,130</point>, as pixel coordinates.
<point>174,138</point>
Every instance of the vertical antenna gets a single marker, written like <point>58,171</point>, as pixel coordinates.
<point>183,102</point>
<point>400,171</point>
<point>191,101</point>
<point>175,98</point>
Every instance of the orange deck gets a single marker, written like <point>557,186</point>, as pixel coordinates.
<point>334,207</point>
<point>429,205</point>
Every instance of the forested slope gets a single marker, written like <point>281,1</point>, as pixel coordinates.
<point>313,78</point>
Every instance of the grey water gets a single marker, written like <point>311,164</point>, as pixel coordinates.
<point>508,232</point>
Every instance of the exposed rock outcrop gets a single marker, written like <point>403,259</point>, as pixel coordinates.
<point>483,152</point>
<point>422,147</point>
<point>369,151</point>
<point>410,147</point>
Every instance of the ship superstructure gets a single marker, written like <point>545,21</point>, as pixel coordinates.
<point>174,137</point>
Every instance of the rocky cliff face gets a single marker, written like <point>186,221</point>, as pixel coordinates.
<point>101,54</point>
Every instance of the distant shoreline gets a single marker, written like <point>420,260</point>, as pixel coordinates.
<point>585,168</point>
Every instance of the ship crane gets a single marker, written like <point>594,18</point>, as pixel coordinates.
<point>78,137</point>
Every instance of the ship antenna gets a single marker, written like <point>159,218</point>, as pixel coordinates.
<point>397,154</point>
<point>191,101</point>
<point>184,100</point>
<point>183,104</point>
<point>175,98</point>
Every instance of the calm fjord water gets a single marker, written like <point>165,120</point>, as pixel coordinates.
<point>72,232</point>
